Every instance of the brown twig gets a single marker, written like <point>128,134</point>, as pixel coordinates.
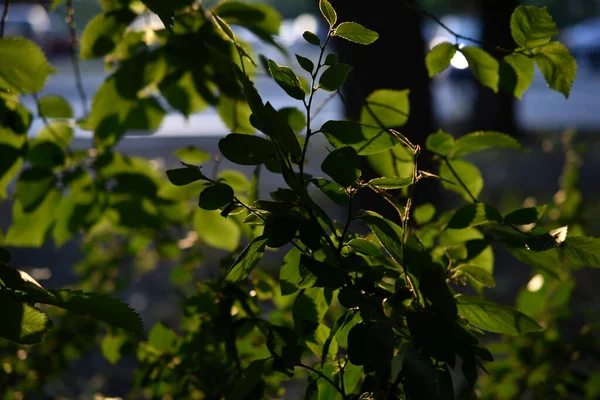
<point>74,58</point>
<point>4,17</point>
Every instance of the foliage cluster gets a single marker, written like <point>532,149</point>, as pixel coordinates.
<point>362,309</point>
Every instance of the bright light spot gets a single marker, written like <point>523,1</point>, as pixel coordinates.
<point>27,278</point>
<point>138,301</point>
<point>22,354</point>
<point>529,202</point>
<point>253,293</point>
<point>459,61</point>
<point>7,368</point>
<point>303,23</point>
<point>535,283</point>
<point>560,197</point>
<point>41,274</point>
<point>234,310</point>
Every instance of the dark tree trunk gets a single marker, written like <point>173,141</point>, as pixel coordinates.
<point>395,61</point>
<point>496,111</point>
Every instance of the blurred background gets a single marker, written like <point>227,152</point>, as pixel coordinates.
<point>558,131</point>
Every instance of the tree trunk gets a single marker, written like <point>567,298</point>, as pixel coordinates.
<point>395,61</point>
<point>496,111</point>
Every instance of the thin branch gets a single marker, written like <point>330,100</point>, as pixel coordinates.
<point>324,103</point>
<point>460,181</point>
<point>456,35</point>
<point>74,58</point>
<point>4,17</point>
<point>348,221</point>
<point>339,389</point>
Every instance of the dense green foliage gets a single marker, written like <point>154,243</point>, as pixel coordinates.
<point>377,315</point>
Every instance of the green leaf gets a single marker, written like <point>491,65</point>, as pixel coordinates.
<point>280,230</point>
<point>183,94</point>
<point>250,378</point>
<point>484,66</point>
<point>334,77</point>
<point>46,154</point>
<point>59,132</point>
<point>235,113</point>
<point>386,183</point>
<point>290,276</point>
<point>473,215</point>
<point>30,229</point>
<point>343,165</point>
<point>364,247</point>
<point>280,131</point>
<point>311,38</point>
<point>423,213</point>
<point>24,68</point>
<point>468,173</point>
<point>335,192</point>
<point>287,80</point>
<point>236,179</point>
<point>305,63</point>
<point>583,249</point>
<point>321,274</point>
<point>355,33</point>
<point>216,231</point>
<point>55,107</point>
<point>33,186</point>
<point>21,322</point>
<point>478,274</point>
<point>111,347</point>
<point>261,19</point>
<point>164,10</point>
<point>216,196</point>
<point>525,216</point>
<point>388,233</point>
<point>328,12</point>
<point>192,155</point>
<point>246,149</point>
<point>331,59</point>
<point>362,138</point>
<point>494,317</point>
<point>104,32</point>
<point>247,260</point>
<point>441,143</point>
<point>516,74</point>
<point>483,140</point>
<point>162,338</point>
<point>386,108</point>
<point>439,58</point>
<point>184,176</point>
<point>10,165</point>
<point>532,26</point>
<point>557,65</point>
<point>294,117</point>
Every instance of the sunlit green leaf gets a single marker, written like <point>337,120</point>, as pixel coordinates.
<point>335,192</point>
<point>532,26</point>
<point>473,215</point>
<point>287,80</point>
<point>483,140</point>
<point>103,32</point>
<point>362,138</point>
<point>355,33</point>
<point>21,322</point>
<point>557,65</point>
<point>55,107</point>
<point>583,249</point>
<point>484,66</point>
<point>386,108</point>
<point>468,173</point>
<point>24,67</point>
<point>480,275</point>
<point>494,317</point>
<point>216,231</point>
<point>441,143</point>
<point>386,183</point>
<point>438,58</point>
<point>516,74</point>
<point>328,12</point>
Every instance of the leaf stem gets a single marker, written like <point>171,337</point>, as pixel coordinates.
<point>54,134</point>
<point>308,106</point>
<point>460,181</point>
<point>322,375</point>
